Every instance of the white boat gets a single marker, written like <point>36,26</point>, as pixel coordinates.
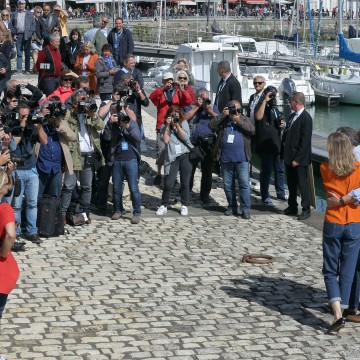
<point>160,66</point>
<point>274,76</point>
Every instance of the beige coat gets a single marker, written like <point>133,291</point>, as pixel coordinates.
<point>65,136</point>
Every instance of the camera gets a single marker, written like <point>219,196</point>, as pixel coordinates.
<point>271,90</point>
<point>123,117</point>
<point>20,161</point>
<point>85,105</point>
<point>56,110</point>
<point>206,101</point>
<point>10,124</point>
<point>175,118</point>
<point>232,108</point>
<point>34,119</point>
<point>132,84</point>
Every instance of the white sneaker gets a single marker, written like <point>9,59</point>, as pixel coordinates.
<point>162,210</point>
<point>184,210</point>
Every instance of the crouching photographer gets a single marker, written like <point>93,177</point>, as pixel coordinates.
<point>269,122</point>
<point>31,133</point>
<point>199,117</point>
<point>123,155</point>
<point>85,150</point>
<point>52,155</point>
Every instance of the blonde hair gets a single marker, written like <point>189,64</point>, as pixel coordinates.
<point>4,178</point>
<point>88,45</point>
<point>182,73</point>
<point>7,34</point>
<point>342,160</point>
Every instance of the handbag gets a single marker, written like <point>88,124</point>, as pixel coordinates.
<point>196,154</point>
<point>9,274</point>
<point>13,51</point>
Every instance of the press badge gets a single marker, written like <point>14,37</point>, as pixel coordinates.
<point>115,46</point>
<point>124,146</point>
<point>178,149</point>
<point>230,138</point>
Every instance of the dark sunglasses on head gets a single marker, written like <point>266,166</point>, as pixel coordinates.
<point>258,82</point>
<point>67,79</point>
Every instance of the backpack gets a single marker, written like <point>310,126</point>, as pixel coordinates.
<point>50,221</point>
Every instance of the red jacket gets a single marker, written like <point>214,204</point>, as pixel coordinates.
<point>61,92</point>
<point>180,98</point>
<point>52,58</point>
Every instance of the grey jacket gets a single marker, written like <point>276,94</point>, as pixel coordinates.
<point>105,81</point>
<point>30,24</point>
<point>170,147</point>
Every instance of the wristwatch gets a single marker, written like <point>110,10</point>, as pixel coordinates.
<point>342,202</point>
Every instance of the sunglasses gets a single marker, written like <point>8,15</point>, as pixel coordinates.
<point>258,82</point>
<point>55,30</point>
<point>39,12</point>
<point>67,79</point>
<point>182,78</point>
<point>7,15</point>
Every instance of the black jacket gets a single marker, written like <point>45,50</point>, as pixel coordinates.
<point>296,142</point>
<point>124,46</point>
<point>231,91</point>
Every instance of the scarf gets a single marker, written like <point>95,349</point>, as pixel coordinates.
<point>108,61</point>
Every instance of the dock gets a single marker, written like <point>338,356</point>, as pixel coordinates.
<point>327,98</point>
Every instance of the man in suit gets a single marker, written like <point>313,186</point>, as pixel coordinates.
<point>121,40</point>
<point>229,87</point>
<point>296,152</point>
<point>23,28</point>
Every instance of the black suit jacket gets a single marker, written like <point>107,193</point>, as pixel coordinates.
<point>296,142</point>
<point>231,91</point>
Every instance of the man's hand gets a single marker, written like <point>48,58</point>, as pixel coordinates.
<point>4,158</point>
<point>225,111</point>
<point>10,167</point>
<point>235,117</point>
<point>114,118</point>
<point>333,199</point>
<point>2,70</point>
<point>295,163</point>
<point>45,111</point>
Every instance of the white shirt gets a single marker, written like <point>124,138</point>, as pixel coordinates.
<point>84,138</point>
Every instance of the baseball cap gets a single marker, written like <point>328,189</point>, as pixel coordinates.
<point>168,75</point>
<point>22,2</point>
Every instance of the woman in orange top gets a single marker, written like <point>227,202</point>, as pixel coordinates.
<point>85,63</point>
<point>341,233</point>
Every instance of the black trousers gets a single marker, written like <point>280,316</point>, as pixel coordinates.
<point>297,177</point>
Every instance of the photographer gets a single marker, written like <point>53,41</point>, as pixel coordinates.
<point>233,150</point>
<point>15,88</point>
<point>129,68</point>
<point>164,97</point>
<point>124,136</point>
<point>199,117</point>
<point>26,171</point>
<point>137,99</point>
<point>85,150</point>
<point>175,133</point>
<point>269,122</point>
<point>50,156</point>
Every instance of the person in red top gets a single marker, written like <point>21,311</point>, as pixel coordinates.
<point>9,271</point>
<point>65,89</point>
<point>48,65</point>
<point>341,232</point>
<point>164,97</point>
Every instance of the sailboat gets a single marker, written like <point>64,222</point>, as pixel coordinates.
<point>343,80</point>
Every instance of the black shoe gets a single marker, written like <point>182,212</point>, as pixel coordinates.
<point>336,326</point>
<point>18,246</point>
<point>35,239</point>
<point>205,199</point>
<point>230,212</point>
<point>246,215</point>
<point>290,211</point>
<point>157,180</point>
<point>304,215</point>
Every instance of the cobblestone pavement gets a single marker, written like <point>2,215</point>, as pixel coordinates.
<point>175,288</point>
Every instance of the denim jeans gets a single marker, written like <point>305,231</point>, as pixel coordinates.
<point>341,245</point>
<point>23,45</point>
<point>85,177</point>
<point>181,163</point>
<point>240,171</point>
<point>270,161</point>
<point>3,299</point>
<point>130,169</point>
<point>29,189</point>
<point>49,184</point>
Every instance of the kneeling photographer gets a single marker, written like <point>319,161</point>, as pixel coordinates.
<point>199,117</point>
<point>31,133</point>
<point>85,151</point>
<point>269,122</point>
<point>123,155</point>
<point>52,155</point>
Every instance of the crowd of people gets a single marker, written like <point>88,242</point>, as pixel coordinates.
<point>56,141</point>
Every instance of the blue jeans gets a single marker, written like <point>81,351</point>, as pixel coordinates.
<point>240,171</point>
<point>3,299</point>
<point>270,161</point>
<point>341,245</point>
<point>128,168</point>
<point>23,45</point>
<point>29,189</point>
<point>50,184</point>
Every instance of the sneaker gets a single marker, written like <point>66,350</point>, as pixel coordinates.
<point>283,198</point>
<point>230,211</point>
<point>157,180</point>
<point>17,247</point>
<point>268,202</point>
<point>34,238</point>
<point>162,210</point>
<point>184,210</point>
<point>116,216</point>
<point>256,186</point>
<point>135,219</point>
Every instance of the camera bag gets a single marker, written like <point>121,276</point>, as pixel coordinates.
<point>74,216</point>
<point>50,221</point>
